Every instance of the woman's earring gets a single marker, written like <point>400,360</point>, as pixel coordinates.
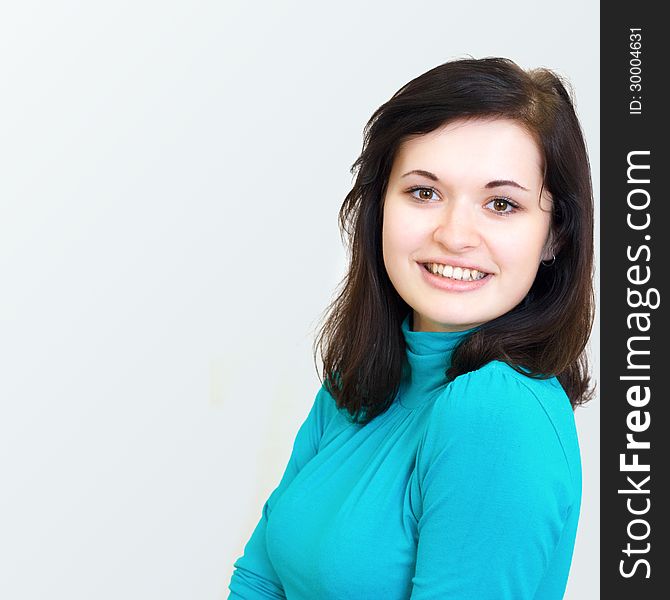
<point>553,260</point>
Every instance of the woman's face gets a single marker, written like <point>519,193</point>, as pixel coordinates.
<point>476,205</point>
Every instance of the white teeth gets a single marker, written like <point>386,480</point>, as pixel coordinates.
<point>456,272</point>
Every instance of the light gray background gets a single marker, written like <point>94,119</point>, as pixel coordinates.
<point>171,176</point>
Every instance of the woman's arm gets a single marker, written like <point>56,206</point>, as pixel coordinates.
<point>496,489</point>
<point>254,577</point>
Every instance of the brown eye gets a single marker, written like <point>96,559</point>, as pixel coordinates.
<point>425,194</point>
<point>499,205</point>
<point>502,206</point>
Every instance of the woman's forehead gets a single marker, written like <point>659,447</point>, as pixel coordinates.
<point>491,149</point>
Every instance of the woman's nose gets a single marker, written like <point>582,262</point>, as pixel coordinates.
<point>457,228</point>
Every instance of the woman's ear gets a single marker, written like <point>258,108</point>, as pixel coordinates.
<point>551,246</point>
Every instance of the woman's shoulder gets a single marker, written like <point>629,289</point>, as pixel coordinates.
<point>325,415</point>
<point>325,407</point>
<point>496,400</point>
<point>498,384</point>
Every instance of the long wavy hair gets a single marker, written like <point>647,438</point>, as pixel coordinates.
<point>361,342</point>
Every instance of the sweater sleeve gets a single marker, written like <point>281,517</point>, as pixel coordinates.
<point>254,577</point>
<point>496,490</point>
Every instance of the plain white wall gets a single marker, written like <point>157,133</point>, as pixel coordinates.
<point>171,176</point>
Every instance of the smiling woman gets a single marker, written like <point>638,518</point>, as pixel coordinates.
<point>440,458</point>
<point>468,222</point>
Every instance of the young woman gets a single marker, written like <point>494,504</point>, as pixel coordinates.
<point>440,458</point>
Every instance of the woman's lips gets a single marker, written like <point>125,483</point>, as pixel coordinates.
<point>452,285</point>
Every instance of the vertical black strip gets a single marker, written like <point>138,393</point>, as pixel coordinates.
<point>634,251</point>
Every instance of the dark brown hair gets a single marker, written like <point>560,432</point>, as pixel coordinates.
<point>361,341</point>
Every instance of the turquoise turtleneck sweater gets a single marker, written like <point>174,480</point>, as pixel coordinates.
<point>468,490</point>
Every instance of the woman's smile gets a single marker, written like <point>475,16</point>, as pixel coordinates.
<point>460,281</point>
<point>454,270</point>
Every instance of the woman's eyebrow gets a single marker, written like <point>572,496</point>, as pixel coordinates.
<point>505,182</point>
<point>422,172</point>
<point>491,184</point>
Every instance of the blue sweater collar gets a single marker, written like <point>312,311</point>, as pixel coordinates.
<point>428,358</point>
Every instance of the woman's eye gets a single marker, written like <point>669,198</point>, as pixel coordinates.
<point>424,193</point>
<point>501,206</point>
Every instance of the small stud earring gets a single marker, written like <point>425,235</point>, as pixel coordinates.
<point>553,260</point>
